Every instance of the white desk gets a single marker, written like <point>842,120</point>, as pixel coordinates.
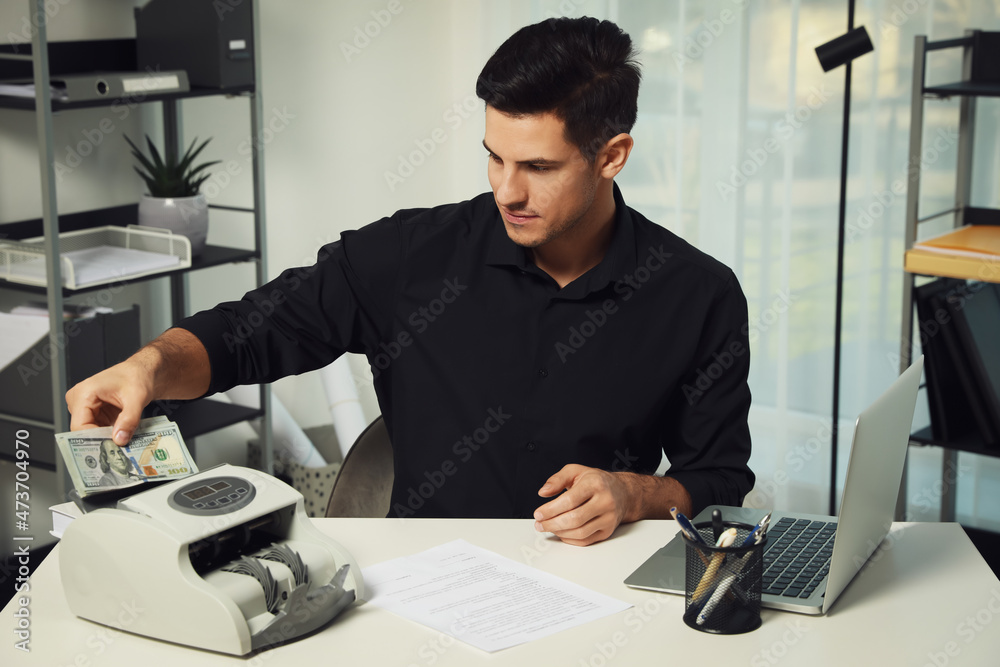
<point>926,598</point>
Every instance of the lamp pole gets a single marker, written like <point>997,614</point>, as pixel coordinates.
<point>841,51</point>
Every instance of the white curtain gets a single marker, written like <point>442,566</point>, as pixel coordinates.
<point>738,151</point>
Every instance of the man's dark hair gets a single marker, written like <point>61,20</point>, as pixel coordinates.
<point>582,70</point>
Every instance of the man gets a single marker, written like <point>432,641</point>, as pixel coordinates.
<point>117,468</point>
<point>543,341</point>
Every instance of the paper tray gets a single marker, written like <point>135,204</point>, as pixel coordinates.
<point>97,256</point>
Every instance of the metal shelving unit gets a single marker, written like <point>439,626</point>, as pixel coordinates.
<point>194,417</point>
<point>979,54</point>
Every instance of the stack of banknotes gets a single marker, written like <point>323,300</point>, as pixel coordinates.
<point>155,452</point>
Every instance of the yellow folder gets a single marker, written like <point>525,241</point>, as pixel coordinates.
<point>971,252</point>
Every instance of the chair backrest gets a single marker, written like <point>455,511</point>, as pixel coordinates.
<point>364,484</point>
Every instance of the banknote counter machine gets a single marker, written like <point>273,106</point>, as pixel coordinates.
<point>225,560</point>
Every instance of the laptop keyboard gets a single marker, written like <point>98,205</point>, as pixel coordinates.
<point>797,557</point>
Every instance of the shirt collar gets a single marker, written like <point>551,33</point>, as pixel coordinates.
<point>619,260</point>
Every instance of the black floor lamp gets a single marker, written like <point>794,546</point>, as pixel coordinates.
<point>833,54</point>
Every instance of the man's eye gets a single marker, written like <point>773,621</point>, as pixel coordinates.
<point>495,158</point>
<point>539,168</point>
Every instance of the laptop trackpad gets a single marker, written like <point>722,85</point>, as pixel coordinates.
<point>663,571</point>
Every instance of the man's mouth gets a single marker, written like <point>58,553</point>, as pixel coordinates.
<point>519,218</point>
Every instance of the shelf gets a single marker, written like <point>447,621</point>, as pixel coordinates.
<point>213,255</point>
<point>28,103</point>
<point>972,443</point>
<point>964,88</point>
<point>82,57</point>
<point>42,441</point>
<point>965,267</point>
<point>939,265</point>
<point>979,52</point>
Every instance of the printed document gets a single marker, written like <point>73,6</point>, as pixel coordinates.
<point>482,598</point>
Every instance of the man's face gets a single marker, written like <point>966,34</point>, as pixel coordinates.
<point>116,459</point>
<point>542,184</point>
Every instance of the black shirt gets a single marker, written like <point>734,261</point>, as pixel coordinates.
<point>491,378</point>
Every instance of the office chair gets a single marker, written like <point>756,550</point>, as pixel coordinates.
<point>364,483</point>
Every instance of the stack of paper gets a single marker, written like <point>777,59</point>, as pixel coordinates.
<point>482,598</point>
<point>28,90</point>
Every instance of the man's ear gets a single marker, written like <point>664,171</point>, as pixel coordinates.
<point>614,155</point>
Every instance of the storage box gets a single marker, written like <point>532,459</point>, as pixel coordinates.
<point>211,41</point>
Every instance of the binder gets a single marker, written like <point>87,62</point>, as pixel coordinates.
<point>950,411</point>
<point>978,323</point>
<point>953,297</point>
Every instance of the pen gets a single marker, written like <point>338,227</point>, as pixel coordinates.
<point>731,571</point>
<point>757,534</point>
<point>716,523</point>
<point>689,532</point>
<point>687,527</point>
<point>725,540</point>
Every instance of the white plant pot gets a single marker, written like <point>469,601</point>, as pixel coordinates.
<point>181,215</point>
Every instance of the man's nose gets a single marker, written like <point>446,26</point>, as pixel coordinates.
<point>512,191</point>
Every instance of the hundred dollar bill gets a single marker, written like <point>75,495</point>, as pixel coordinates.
<point>155,452</point>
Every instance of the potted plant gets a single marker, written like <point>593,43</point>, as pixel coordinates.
<point>174,201</point>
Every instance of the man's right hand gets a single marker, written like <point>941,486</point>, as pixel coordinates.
<point>114,397</point>
<point>174,366</point>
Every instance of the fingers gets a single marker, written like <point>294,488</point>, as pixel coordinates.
<point>590,509</point>
<point>110,398</point>
<point>573,510</point>
<point>590,533</point>
<point>85,411</point>
<point>563,479</point>
<point>81,419</point>
<point>132,401</point>
<point>573,498</point>
<point>578,523</point>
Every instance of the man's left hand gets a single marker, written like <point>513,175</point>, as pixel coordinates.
<point>595,502</point>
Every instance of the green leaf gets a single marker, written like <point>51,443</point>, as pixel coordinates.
<point>150,183</point>
<point>157,160</point>
<point>140,157</point>
<point>172,178</point>
<point>191,154</point>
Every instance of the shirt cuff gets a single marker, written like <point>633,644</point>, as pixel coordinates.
<point>702,490</point>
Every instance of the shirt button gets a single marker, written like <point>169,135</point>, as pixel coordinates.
<point>542,372</point>
<point>530,446</point>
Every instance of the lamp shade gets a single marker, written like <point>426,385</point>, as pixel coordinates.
<point>844,49</point>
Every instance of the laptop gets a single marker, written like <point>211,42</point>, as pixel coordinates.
<point>810,559</point>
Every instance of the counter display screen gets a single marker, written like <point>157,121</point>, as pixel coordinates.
<point>212,495</point>
<point>200,492</point>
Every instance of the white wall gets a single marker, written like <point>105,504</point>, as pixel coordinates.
<point>349,89</point>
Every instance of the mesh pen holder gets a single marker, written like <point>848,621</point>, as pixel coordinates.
<point>723,584</point>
